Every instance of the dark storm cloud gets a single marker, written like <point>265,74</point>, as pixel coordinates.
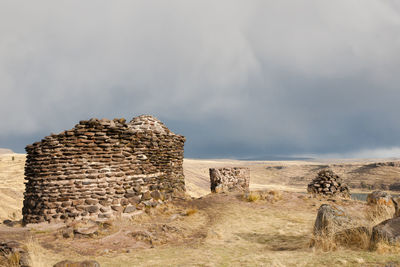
<point>238,79</point>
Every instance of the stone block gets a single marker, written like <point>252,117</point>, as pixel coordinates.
<point>229,179</point>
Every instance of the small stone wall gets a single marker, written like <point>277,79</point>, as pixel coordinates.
<point>229,179</point>
<point>101,168</point>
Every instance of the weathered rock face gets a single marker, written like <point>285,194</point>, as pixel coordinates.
<point>380,198</point>
<point>335,226</point>
<point>229,179</point>
<point>100,167</point>
<point>385,202</point>
<point>330,219</point>
<point>396,203</point>
<point>327,183</point>
<point>387,231</point>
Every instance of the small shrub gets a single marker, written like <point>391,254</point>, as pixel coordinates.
<point>272,196</point>
<point>378,213</point>
<point>106,224</point>
<point>13,259</point>
<point>252,196</point>
<point>191,212</point>
<point>384,186</point>
<point>357,237</point>
<point>324,242</point>
<point>382,247</point>
<point>363,184</point>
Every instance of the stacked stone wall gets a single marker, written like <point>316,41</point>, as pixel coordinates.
<point>229,179</point>
<point>101,168</point>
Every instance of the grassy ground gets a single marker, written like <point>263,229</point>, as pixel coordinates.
<point>231,232</point>
<point>11,185</point>
<point>220,230</point>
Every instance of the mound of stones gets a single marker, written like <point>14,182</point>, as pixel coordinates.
<point>327,183</point>
<point>102,168</point>
<point>229,179</point>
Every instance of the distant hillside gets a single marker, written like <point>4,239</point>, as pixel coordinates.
<point>6,151</point>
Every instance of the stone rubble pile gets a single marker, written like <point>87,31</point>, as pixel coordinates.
<point>329,184</point>
<point>101,168</point>
<point>229,179</point>
<point>13,253</point>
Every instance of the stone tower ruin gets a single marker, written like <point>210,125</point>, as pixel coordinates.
<point>101,168</point>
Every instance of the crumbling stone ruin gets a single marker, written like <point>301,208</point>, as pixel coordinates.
<point>229,179</point>
<point>101,168</point>
<point>327,183</point>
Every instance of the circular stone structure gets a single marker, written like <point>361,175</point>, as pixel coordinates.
<point>102,168</point>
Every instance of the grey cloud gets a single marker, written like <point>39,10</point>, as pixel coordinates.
<point>239,79</point>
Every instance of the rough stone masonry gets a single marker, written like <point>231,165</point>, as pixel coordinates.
<point>101,168</point>
<point>229,179</point>
<point>327,183</point>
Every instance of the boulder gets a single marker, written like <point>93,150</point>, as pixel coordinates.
<point>86,231</point>
<point>396,203</point>
<point>380,198</point>
<point>334,227</point>
<point>387,231</point>
<point>129,209</point>
<point>229,179</point>
<point>68,263</point>
<point>11,223</point>
<point>329,219</point>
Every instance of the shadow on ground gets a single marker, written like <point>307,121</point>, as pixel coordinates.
<point>277,242</point>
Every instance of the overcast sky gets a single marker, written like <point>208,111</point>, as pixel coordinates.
<point>240,79</point>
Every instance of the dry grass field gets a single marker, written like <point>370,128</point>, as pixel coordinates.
<point>293,175</point>
<point>209,229</point>
<point>11,185</point>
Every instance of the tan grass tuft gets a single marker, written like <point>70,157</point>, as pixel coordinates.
<point>13,260</point>
<point>271,195</point>
<point>191,212</point>
<point>252,196</point>
<point>383,247</point>
<point>39,257</point>
<point>354,234</point>
<point>376,214</point>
